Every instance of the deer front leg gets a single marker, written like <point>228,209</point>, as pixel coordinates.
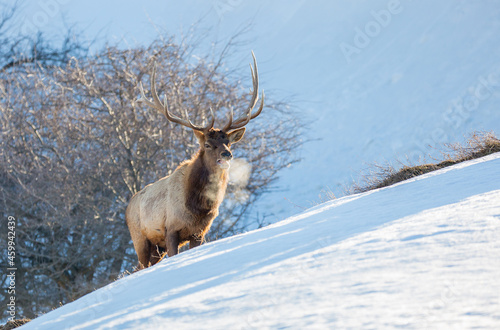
<point>172,243</point>
<point>195,241</point>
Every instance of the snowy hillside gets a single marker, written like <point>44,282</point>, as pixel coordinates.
<point>423,253</point>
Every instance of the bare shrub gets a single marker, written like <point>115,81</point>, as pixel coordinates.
<point>76,145</point>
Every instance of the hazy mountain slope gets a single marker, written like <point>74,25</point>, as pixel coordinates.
<point>417,73</point>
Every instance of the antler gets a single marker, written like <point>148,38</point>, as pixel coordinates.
<point>156,104</point>
<point>242,121</point>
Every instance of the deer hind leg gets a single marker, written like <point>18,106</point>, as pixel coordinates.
<point>157,254</point>
<point>172,242</point>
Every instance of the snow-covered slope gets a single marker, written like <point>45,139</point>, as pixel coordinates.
<point>423,253</point>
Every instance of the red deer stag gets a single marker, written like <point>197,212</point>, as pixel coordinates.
<point>181,207</point>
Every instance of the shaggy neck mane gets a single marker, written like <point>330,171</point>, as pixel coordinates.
<point>206,187</point>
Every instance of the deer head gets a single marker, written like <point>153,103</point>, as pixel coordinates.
<point>215,144</point>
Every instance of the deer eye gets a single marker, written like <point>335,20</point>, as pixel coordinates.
<point>208,146</point>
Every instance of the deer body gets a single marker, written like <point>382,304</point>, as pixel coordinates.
<point>180,208</point>
<point>183,204</point>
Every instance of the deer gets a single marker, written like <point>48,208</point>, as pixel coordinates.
<point>180,208</point>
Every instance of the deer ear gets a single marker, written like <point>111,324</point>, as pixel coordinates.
<point>236,135</point>
<point>200,136</point>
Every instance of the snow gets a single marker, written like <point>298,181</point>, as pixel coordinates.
<point>420,254</point>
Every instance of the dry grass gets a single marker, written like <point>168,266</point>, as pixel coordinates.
<point>478,145</point>
<point>14,324</point>
<point>325,195</point>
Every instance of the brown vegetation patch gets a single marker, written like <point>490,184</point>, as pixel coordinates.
<point>14,324</point>
<point>478,145</point>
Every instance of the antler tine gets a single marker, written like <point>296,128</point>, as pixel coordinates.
<point>156,104</point>
<point>245,120</point>
<point>228,125</point>
<point>201,128</point>
<point>242,121</point>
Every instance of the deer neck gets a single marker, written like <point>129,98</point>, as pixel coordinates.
<point>206,187</point>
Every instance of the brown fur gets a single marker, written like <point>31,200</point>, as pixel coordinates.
<point>180,208</point>
<point>202,187</point>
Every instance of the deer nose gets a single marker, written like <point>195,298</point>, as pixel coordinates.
<point>227,154</point>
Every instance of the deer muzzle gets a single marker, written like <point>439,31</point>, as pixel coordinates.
<point>223,162</point>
